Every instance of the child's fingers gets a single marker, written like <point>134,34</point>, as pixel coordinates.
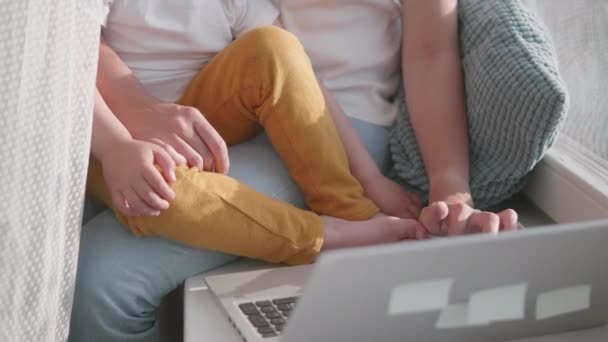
<point>149,196</point>
<point>177,158</point>
<point>139,207</point>
<point>166,163</point>
<point>131,202</point>
<point>158,184</point>
<point>120,204</point>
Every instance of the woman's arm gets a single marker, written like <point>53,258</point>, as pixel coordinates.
<point>435,95</point>
<point>117,84</point>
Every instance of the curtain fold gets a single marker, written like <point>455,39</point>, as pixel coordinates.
<point>48,59</point>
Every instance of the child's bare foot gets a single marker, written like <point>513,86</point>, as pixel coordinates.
<point>382,229</point>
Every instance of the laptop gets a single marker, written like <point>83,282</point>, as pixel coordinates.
<point>464,289</point>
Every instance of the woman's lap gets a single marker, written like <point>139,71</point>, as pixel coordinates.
<point>122,278</point>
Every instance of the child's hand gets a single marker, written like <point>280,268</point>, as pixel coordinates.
<point>137,187</point>
<point>392,199</point>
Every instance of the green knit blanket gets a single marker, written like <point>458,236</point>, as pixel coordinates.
<point>516,102</point>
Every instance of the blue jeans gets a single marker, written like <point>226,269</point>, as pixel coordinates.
<point>122,279</point>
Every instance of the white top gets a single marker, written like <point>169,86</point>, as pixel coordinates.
<point>354,45</point>
<point>167,42</point>
<point>355,50</point>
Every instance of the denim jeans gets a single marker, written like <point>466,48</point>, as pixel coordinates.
<point>122,279</point>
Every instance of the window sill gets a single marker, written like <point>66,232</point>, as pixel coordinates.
<point>570,185</point>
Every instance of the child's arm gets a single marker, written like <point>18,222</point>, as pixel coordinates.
<point>435,96</point>
<point>183,131</point>
<point>136,186</point>
<point>386,194</point>
<point>389,196</point>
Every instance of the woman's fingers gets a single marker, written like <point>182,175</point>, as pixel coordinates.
<point>509,220</point>
<point>440,218</point>
<point>433,217</point>
<point>194,159</point>
<point>199,147</point>
<point>483,222</point>
<point>458,217</point>
<point>215,145</point>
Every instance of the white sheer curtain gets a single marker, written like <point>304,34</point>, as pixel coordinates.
<point>47,68</point>
<point>48,52</point>
<point>580,33</point>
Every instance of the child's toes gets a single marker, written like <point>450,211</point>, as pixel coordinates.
<point>411,229</point>
<point>421,233</point>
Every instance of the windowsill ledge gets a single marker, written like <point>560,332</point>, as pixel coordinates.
<point>570,186</point>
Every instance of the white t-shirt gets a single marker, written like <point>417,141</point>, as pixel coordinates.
<point>355,47</point>
<point>167,42</point>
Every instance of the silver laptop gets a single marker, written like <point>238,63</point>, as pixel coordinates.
<point>465,289</point>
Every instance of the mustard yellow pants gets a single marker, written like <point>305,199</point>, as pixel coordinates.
<point>262,80</point>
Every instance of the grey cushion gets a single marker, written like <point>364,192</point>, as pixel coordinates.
<point>516,101</point>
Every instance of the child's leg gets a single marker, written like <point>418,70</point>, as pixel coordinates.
<point>265,78</point>
<point>217,212</point>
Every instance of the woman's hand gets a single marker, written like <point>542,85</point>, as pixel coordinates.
<point>136,185</point>
<point>458,218</point>
<point>183,132</point>
<point>452,212</point>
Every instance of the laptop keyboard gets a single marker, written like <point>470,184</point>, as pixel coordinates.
<point>268,317</point>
